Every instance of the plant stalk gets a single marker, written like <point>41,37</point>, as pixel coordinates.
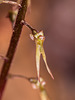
<point>12,47</point>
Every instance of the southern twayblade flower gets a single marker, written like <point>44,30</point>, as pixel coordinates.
<point>39,38</point>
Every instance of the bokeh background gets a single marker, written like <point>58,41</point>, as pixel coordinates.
<point>57,19</point>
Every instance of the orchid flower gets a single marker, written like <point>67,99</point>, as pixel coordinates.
<point>39,38</point>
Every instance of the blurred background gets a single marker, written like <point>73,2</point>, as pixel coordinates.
<point>57,19</point>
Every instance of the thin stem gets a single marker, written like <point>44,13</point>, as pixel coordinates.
<point>12,47</point>
<point>30,79</point>
<point>17,76</point>
<point>25,23</point>
<point>29,26</point>
<point>11,2</point>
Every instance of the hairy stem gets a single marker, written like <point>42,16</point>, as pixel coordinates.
<point>12,47</point>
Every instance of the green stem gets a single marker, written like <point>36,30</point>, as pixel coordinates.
<point>12,47</point>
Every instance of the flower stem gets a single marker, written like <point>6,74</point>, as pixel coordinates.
<point>12,47</point>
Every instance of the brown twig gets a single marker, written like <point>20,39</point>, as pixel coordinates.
<point>12,47</point>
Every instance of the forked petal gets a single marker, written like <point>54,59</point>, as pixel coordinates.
<point>44,58</point>
<point>38,53</point>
